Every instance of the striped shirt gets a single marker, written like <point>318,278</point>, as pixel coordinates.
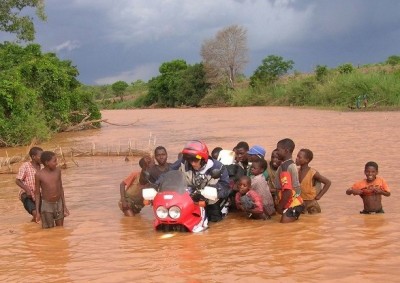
<point>26,174</point>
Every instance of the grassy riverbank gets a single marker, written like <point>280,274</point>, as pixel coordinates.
<point>378,85</point>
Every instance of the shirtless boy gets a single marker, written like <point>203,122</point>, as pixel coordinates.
<point>49,191</point>
<point>290,203</point>
<point>370,189</point>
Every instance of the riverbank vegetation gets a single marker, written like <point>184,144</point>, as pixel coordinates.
<point>344,87</point>
<point>39,95</point>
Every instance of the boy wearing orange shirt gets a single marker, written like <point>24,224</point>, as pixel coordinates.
<point>370,189</point>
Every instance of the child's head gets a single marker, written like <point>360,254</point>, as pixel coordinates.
<point>371,170</point>
<point>275,160</point>
<point>142,163</point>
<point>49,159</point>
<point>258,167</point>
<point>143,178</point>
<point>256,152</point>
<point>160,154</point>
<point>241,150</point>
<point>304,157</point>
<point>215,152</point>
<point>146,162</point>
<point>35,153</point>
<point>285,148</point>
<point>244,184</point>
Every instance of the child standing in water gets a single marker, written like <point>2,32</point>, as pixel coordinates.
<point>260,186</point>
<point>308,178</point>
<point>26,181</point>
<point>248,200</point>
<point>256,153</point>
<point>290,203</point>
<point>131,187</point>
<point>273,166</point>
<point>370,189</point>
<point>49,191</point>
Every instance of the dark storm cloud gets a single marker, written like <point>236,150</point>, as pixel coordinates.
<point>128,40</point>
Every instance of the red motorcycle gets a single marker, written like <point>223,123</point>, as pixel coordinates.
<point>177,207</point>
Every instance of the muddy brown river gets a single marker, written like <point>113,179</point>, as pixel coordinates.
<point>99,244</point>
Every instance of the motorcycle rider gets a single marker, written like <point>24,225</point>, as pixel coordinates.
<point>197,165</point>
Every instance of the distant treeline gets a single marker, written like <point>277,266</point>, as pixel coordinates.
<point>183,85</point>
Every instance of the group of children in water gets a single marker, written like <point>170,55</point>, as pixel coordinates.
<point>282,185</point>
<point>259,188</point>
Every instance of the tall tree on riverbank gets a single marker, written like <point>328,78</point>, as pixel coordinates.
<point>119,88</point>
<point>12,21</point>
<point>225,56</point>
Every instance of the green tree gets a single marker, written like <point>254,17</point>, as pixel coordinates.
<point>39,95</point>
<point>178,84</point>
<point>393,60</point>
<point>270,70</point>
<point>191,86</point>
<point>119,89</point>
<point>12,21</point>
<point>162,89</point>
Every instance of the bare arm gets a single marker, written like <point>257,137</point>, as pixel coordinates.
<point>327,183</point>
<point>66,211</point>
<point>355,192</point>
<point>23,186</point>
<point>122,193</point>
<point>286,195</point>
<point>38,197</point>
<point>380,191</point>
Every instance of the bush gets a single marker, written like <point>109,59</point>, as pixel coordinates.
<point>218,96</point>
<point>346,68</point>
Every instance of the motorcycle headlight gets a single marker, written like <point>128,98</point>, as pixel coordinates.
<point>162,212</point>
<point>174,212</point>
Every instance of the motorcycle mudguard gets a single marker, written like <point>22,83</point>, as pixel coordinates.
<point>191,214</point>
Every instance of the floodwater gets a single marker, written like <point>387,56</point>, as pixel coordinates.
<point>99,244</point>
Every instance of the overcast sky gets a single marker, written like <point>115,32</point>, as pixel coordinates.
<point>129,39</point>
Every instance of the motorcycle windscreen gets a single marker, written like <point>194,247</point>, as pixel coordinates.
<point>173,181</point>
